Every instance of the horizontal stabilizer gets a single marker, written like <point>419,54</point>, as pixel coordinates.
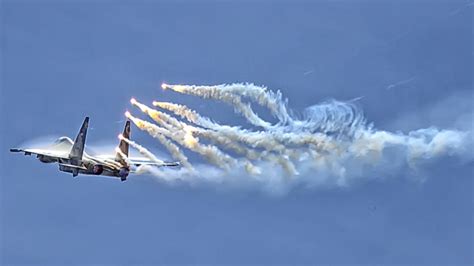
<point>171,164</point>
<point>73,166</point>
<point>151,163</point>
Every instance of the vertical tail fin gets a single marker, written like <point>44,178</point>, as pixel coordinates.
<point>123,145</point>
<point>78,147</point>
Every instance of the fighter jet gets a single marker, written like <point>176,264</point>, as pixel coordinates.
<point>72,158</point>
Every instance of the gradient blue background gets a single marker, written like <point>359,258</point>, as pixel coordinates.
<point>61,62</point>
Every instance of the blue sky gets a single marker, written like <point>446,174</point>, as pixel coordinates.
<point>411,62</point>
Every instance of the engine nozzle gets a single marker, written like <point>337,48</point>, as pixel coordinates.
<point>123,173</point>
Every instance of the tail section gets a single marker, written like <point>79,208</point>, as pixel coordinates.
<point>78,146</point>
<point>123,145</point>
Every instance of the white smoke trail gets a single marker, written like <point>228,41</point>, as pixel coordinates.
<point>272,100</point>
<point>259,139</point>
<point>122,155</point>
<point>141,149</point>
<point>229,98</point>
<point>186,139</point>
<point>331,144</point>
<point>155,133</point>
<point>187,113</point>
<point>261,95</point>
<point>159,117</point>
<point>268,140</point>
<point>229,137</point>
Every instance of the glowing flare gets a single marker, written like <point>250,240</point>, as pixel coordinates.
<point>161,118</point>
<point>142,107</point>
<point>190,140</point>
<point>177,88</point>
<point>133,101</point>
<point>127,114</point>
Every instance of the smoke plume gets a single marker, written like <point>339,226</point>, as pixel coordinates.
<point>330,144</point>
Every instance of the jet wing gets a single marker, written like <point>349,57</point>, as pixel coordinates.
<point>59,149</point>
<point>49,153</point>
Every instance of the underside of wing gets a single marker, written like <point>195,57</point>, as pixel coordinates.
<point>59,149</point>
<point>43,152</point>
